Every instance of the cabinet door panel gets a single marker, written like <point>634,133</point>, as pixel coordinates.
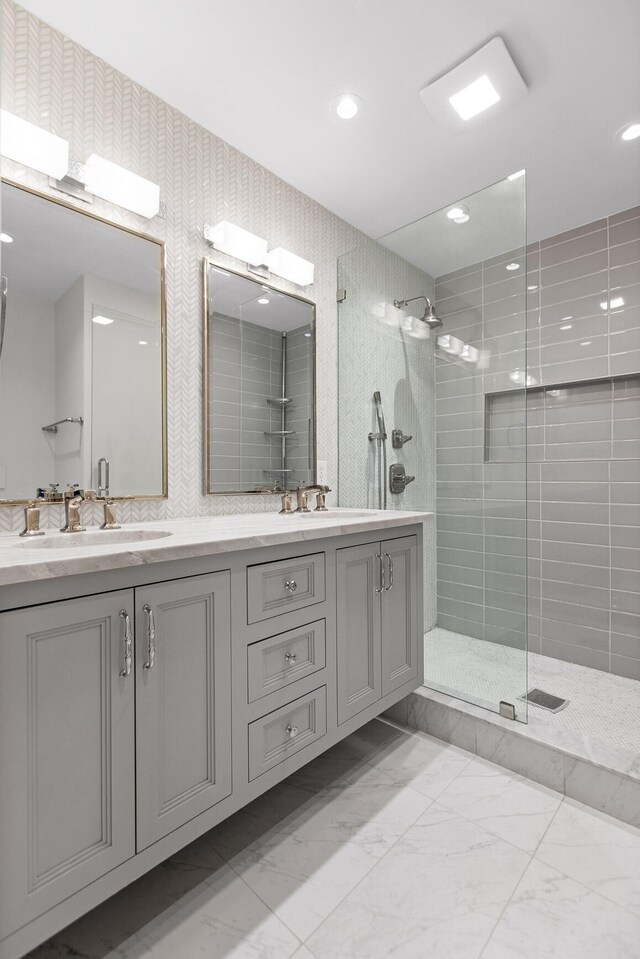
<point>358,629</point>
<point>66,751</point>
<point>183,707</point>
<point>399,614</point>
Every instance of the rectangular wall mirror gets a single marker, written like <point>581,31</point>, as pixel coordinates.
<point>82,362</point>
<point>259,385</point>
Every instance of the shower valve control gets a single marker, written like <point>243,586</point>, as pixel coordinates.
<point>398,479</point>
<point>398,439</point>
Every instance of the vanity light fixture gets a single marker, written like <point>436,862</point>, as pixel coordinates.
<point>512,266</point>
<point>487,80</point>
<point>237,242</point>
<point>102,320</point>
<point>32,146</point>
<point>451,344</point>
<point>120,186</point>
<point>290,267</point>
<point>469,353</point>
<point>5,238</point>
<point>631,132</point>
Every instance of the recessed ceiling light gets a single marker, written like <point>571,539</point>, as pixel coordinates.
<point>347,106</point>
<point>263,300</point>
<point>567,326</point>
<point>632,132</point>
<point>143,342</point>
<point>487,79</point>
<point>613,304</point>
<point>102,320</point>
<point>512,266</point>
<point>472,100</point>
<point>5,238</point>
<point>462,219</point>
<point>516,176</point>
<point>455,212</point>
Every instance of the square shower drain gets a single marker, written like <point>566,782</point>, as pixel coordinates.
<point>538,697</point>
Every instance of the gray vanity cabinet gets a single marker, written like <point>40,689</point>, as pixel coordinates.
<point>66,750</point>
<point>183,701</point>
<point>376,625</point>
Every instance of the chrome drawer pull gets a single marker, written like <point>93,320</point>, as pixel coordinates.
<point>381,588</point>
<point>151,634</point>
<point>128,657</point>
<point>291,658</point>
<point>291,585</point>
<point>291,731</point>
<point>390,586</point>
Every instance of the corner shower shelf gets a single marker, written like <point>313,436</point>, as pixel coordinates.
<point>280,433</point>
<point>278,400</point>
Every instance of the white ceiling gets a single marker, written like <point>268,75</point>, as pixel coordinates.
<point>263,77</point>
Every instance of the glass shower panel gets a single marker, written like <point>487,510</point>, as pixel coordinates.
<point>459,391</point>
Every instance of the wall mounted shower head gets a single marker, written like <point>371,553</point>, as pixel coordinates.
<point>429,316</point>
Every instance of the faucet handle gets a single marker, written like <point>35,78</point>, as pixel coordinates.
<point>89,495</point>
<point>109,516</point>
<point>320,502</point>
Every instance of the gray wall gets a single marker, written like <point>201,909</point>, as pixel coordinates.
<point>583,450</point>
<point>584,446</point>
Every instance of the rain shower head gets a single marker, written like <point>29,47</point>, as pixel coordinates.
<point>429,316</point>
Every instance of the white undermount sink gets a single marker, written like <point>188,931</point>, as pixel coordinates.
<point>92,538</point>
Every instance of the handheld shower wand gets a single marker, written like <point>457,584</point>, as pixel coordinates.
<point>380,439</point>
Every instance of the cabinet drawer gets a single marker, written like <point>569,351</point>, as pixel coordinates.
<point>286,731</point>
<point>283,659</point>
<point>276,588</point>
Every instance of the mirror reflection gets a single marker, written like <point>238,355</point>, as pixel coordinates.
<point>81,368</point>
<point>260,417</point>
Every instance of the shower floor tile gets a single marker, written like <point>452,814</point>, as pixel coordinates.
<point>603,709</point>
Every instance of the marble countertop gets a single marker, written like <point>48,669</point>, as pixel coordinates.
<point>65,554</point>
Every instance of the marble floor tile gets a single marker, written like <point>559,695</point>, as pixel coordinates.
<point>437,893</point>
<point>304,868</point>
<point>598,851</point>
<point>221,919</point>
<point>426,764</point>
<point>555,917</point>
<point>507,805</point>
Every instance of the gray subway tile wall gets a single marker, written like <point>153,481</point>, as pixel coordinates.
<point>583,448</point>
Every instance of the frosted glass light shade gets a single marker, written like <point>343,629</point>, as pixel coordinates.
<point>290,267</point>
<point>32,146</point>
<point>120,186</point>
<point>233,240</point>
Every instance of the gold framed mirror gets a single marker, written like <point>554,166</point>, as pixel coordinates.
<point>83,362</point>
<point>259,385</point>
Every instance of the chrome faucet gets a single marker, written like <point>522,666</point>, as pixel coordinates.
<point>73,497</point>
<point>302,494</point>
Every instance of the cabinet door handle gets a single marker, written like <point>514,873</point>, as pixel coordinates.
<point>291,658</point>
<point>128,656</point>
<point>291,731</point>
<point>381,588</point>
<point>390,586</point>
<point>151,637</point>
<point>291,585</point>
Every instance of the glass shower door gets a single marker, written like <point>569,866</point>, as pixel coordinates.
<point>459,390</point>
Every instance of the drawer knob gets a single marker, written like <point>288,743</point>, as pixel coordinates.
<point>291,731</point>
<point>291,658</point>
<point>291,585</point>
